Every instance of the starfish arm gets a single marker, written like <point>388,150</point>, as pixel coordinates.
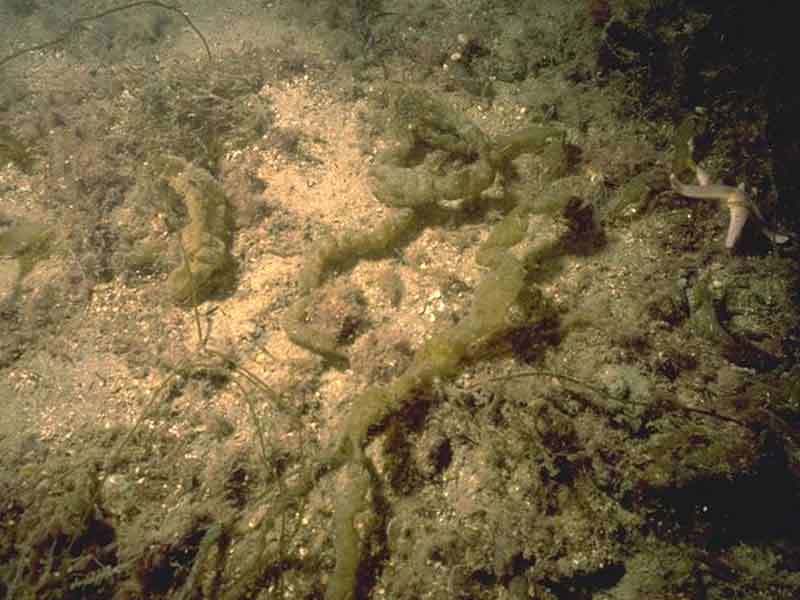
<point>734,197</point>
<point>739,215</point>
<point>706,192</point>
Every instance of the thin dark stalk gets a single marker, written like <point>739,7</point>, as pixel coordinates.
<point>607,396</point>
<point>201,339</point>
<point>75,25</point>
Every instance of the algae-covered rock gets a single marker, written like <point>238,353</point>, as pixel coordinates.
<point>207,264</point>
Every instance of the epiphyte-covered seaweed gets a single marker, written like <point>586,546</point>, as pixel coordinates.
<point>207,264</point>
<point>440,156</point>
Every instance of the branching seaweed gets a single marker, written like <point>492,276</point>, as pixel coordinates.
<point>441,157</point>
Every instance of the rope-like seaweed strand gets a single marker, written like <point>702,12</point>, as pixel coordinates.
<point>73,27</point>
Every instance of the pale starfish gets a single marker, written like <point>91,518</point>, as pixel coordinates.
<point>735,198</point>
